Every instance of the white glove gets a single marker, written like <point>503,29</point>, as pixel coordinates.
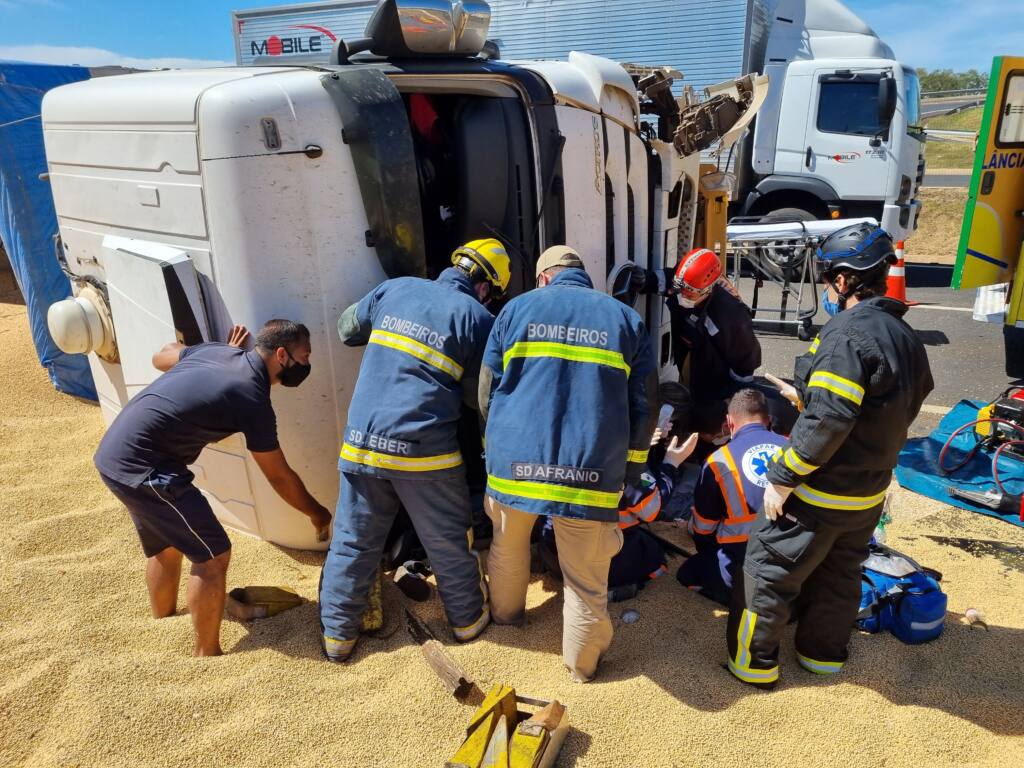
<point>788,391</point>
<point>774,497</point>
<point>678,452</point>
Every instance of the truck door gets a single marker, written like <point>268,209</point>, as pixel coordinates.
<point>844,144</point>
<point>993,228</point>
<point>155,294</point>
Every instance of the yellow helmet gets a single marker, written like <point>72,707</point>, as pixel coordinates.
<point>488,259</point>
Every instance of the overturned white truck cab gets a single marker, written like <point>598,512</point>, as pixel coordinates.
<point>191,200</point>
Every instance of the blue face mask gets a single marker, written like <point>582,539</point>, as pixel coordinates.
<point>831,307</point>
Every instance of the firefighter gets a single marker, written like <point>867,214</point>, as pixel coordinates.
<point>728,497</point>
<point>424,340</point>
<point>712,329</point>
<point>861,385</point>
<point>569,380</point>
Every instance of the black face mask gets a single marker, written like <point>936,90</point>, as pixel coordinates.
<point>295,373</point>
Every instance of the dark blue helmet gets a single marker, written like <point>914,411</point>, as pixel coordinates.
<point>861,248</point>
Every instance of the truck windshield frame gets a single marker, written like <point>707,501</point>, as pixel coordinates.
<point>848,105</point>
<point>913,100</point>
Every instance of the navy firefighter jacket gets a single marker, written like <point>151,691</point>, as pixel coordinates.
<point>568,401</point>
<point>862,383</point>
<point>423,343</point>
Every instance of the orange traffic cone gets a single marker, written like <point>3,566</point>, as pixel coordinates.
<point>896,285</point>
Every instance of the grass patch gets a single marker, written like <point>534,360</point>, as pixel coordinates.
<point>942,155</point>
<point>967,120</point>
<point>938,231</point>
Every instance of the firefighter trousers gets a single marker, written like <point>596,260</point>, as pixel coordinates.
<point>585,552</point>
<point>441,514</point>
<point>807,562</point>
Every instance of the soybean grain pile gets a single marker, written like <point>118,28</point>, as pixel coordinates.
<point>88,679</point>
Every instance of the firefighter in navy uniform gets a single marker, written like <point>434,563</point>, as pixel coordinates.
<point>861,385</point>
<point>711,327</point>
<point>567,384</point>
<point>424,342</point>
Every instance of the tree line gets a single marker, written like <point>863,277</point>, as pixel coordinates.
<point>948,80</point>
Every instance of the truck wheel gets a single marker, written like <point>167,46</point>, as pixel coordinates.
<point>787,263</point>
<point>800,214</point>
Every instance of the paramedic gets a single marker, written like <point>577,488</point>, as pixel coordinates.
<point>424,340</point>
<point>568,387</point>
<point>728,497</point>
<point>861,386</point>
<point>208,392</point>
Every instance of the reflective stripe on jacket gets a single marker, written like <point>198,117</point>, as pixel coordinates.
<point>642,502</point>
<point>568,400</point>
<point>424,340</point>
<point>862,383</point>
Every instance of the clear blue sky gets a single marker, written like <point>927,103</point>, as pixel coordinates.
<point>955,34</point>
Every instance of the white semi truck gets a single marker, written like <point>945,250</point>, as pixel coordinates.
<point>191,200</point>
<point>838,135</point>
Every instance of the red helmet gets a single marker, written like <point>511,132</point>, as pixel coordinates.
<point>697,274</point>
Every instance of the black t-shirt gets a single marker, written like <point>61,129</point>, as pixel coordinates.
<point>214,391</point>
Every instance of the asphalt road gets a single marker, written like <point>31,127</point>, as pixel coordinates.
<point>967,357</point>
<point>932,108</point>
<point>946,180</point>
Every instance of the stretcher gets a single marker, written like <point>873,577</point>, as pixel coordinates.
<point>780,251</point>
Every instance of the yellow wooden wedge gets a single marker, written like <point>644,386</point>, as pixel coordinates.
<point>472,751</point>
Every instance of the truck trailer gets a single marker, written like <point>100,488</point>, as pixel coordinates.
<point>838,135</point>
<point>188,201</point>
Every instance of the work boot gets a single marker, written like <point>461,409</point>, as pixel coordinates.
<point>474,630</point>
<point>373,617</point>
<point>761,686</point>
<point>336,651</point>
<point>411,578</point>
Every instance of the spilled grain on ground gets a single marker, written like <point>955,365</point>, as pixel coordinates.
<point>88,679</point>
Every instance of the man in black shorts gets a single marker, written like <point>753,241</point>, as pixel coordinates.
<point>208,391</point>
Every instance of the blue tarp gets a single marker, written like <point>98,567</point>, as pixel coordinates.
<point>918,466</point>
<point>27,218</point>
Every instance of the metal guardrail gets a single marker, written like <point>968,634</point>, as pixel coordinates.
<point>962,92</point>
<point>951,136</point>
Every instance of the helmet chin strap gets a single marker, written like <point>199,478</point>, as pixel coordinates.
<point>841,296</point>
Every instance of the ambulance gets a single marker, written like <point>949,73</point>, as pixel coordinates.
<point>992,237</point>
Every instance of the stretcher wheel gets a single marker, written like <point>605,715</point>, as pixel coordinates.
<point>804,332</point>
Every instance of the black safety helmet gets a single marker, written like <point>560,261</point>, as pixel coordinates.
<point>857,248</point>
<point>863,249</point>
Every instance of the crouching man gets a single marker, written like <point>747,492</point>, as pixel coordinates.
<point>728,497</point>
<point>208,392</point>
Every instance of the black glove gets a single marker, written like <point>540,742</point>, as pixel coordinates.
<point>643,281</point>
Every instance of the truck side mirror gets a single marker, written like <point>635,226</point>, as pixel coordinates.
<point>620,283</point>
<point>886,102</point>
